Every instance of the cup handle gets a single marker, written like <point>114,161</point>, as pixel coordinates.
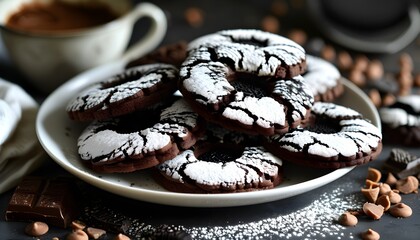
<point>155,34</point>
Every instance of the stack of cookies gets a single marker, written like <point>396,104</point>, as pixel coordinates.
<point>221,114</point>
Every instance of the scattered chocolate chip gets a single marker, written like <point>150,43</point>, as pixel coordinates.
<point>36,229</point>
<point>406,62</point>
<point>374,174</point>
<point>194,16</point>
<point>375,70</point>
<point>370,235</point>
<point>121,236</point>
<point>373,211</point>
<point>375,97</point>
<point>417,80</point>
<point>394,196</point>
<point>347,219</point>
<point>344,60</point>
<point>391,180</point>
<point>270,24</point>
<point>400,210</point>
<point>279,8</point>
<point>384,188</point>
<point>95,233</point>
<point>299,36</point>
<point>174,53</point>
<point>384,202</point>
<point>357,77</point>
<point>388,99</point>
<point>407,185</point>
<point>361,63</point>
<point>77,235</point>
<point>328,53</point>
<point>371,184</point>
<point>371,194</point>
<point>77,225</point>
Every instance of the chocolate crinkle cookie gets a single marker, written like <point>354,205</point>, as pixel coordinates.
<point>335,136</point>
<point>220,66</point>
<point>173,54</point>
<point>401,121</point>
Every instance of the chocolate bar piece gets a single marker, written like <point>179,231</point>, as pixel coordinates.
<point>402,163</point>
<point>48,200</point>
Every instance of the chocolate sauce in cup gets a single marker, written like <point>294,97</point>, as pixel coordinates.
<point>51,41</point>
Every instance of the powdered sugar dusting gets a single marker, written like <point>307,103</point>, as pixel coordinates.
<point>315,221</point>
<point>321,75</point>
<point>264,111</point>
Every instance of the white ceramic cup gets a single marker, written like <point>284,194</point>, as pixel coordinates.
<point>49,59</point>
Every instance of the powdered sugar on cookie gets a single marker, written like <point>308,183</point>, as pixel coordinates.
<point>323,78</point>
<point>107,142</point>
<point>338,136</point>
<point>252,170</point>
<point>216,61</point>
<point>124,93</point>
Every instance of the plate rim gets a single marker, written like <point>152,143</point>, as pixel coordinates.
<point>174,198</point>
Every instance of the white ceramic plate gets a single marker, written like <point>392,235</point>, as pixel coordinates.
<point>58,135</point>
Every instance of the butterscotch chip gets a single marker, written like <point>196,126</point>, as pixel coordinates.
<point>357,77</point>
<point>328,53</point>
<point>372,210</point>
<point>371,184</point>
<point>95,233</point>
<point>279,8</point>
<point>401,210</point>
<point>347,219</point>
<point>344,60</point>
<point>370,235</point>
<point>388,99</point>
<point>417,80</point>
<point>375,70</point>
<point>375,97</point>
<point>361,62</point>
<point>77,235</point>
<point>407,185</point>
<point>36,229</point>
<point>121,236</point>
<point>299,36</point>
<point>391,180</point>
<point>270,24</point>
<point>406,62</point>
<point>374,174</point>
<point>371,194</point>
<point>384,202</point>
<point>77,225</point>
<point>394,196</point>
<point>384,188</point>
<point>194,16</point>
<point>405,82</point>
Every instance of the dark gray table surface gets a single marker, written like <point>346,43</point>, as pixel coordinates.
<point>306,216</point>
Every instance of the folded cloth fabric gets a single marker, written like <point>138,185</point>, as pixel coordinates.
<point>20,151</point>
<point>10,109</point>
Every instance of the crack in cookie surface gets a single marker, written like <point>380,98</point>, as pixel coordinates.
<point>125,144</point>
<point>350,140</point>
<point>217,61</point>
<point>135,88</point>
<point>222,161</point>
